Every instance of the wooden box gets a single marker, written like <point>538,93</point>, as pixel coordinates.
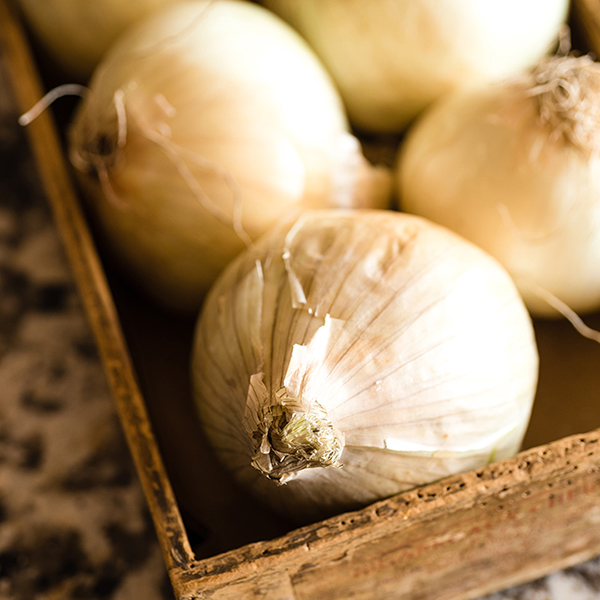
<point>458,539</point>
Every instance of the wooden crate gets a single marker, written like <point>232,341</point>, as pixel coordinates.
<point>458,539</point>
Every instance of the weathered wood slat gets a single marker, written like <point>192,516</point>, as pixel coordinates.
<point>453,540</point>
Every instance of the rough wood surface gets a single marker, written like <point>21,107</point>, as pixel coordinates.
<point>456,539</point>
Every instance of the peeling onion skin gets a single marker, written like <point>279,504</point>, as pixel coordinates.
<point>413,341</point>
<point>393,58</point>
<point>77,33</point>
<point>515,169</point>
<point>204,125</point>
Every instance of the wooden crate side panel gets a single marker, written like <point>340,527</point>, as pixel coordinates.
<point>467,553</point>
<point>454,540</point>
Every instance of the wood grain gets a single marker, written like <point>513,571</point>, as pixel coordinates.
<point>456,539</point>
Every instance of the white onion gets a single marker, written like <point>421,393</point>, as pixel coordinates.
<point>392,58</point>
<point>77,33</point>
<point>516,169</point>
<point>402,349</point>
<point>204,125</point>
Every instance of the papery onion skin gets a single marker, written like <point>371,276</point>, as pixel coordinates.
<point>515,169</point>
<point>393,58</point>
<point>413,341</point>
<point>228,120</point>
<point>77,33</point>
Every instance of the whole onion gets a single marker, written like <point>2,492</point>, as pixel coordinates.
<point>355,354</point>
<point>515,168</point>
<point>393,58</point>
<point>204,125</point>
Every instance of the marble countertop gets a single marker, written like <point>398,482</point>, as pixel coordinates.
<point>73,519</point>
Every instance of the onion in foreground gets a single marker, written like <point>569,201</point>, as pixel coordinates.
<point>392,58</point>
<point>515,168</point>
<point>356,354</point>
<point>204,125</point>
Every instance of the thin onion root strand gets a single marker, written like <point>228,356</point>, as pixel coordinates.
<point>68,89</point>
<point>107,188</point>
<point>178,156</point>
<point>567,312</point>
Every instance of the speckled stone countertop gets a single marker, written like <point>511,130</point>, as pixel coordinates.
<point>73,520</point>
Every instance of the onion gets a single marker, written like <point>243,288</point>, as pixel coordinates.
<point>392,58</point>
<point>78,33</point>
<point>515,168</point>
<point>354,354</point>
<point>204,125</point>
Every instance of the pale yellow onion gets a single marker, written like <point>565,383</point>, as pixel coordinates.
<point>515,168</point>
<point>392,58</point>
<point>408,348</point>
<point>204,125</point>
<point>77,33</point>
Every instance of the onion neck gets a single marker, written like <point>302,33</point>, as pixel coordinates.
<point>293,435</point>
<point>356,183</point>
